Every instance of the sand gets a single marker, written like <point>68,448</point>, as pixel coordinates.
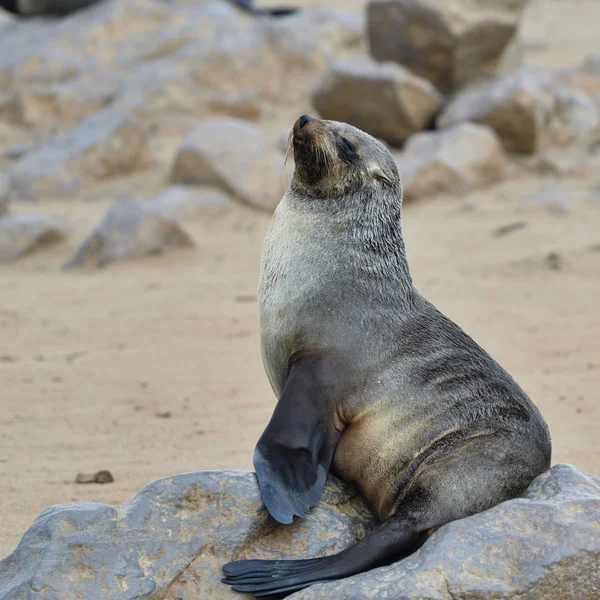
<point>152,367</point>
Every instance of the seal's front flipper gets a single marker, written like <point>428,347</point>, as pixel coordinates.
<point>293,455</point>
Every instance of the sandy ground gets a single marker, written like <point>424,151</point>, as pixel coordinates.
<point>152,367</point>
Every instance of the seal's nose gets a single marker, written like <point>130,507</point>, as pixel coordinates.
<point>303,120</point>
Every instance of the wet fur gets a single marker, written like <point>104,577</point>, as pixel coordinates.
<point>428,425</point>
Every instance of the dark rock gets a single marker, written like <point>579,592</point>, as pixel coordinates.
<point>447,43</point>
<point>519,106</point>
<point>171,540</point>
<point>131,228</point>
<point>234,156</point>
<point>383,99</point>
<point>509,228</point>
<point>455,160</point>
<point>22,233</point>
<point>98,477</point>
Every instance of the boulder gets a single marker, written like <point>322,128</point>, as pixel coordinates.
<point>130,228</point>
<point>274,59</point>
<point>383,99</point>
<point>447,43</point>
<point>184,203</point>
<point>106,144</point>
<point>171,540</point>
<point>456,160</point>
<point>234,156</point>
<point>519,106</point>
<point>22,233</point>
<point>4,192</point>
<point>545,545</point>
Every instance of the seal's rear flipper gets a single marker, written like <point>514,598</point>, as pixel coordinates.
<point>293,455</point>
<point>391,541</point>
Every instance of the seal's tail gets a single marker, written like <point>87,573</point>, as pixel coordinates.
<point>391,541</point>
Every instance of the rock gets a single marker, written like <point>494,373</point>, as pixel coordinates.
<point>455,160</point>
<point>447,43</point>
<point>130,228</point>
<point>22,233</point>
<point>576,117</point>
<point>544,545</point>
<point>4,193</point>
<point>383,99</point>
<point>234,156</point>
<point>98,477</point>
<point>553,195</point>
<point>519,106</point>
<point>274,60</point>
<point>183,203</point>
<point>106,144</point>
<point>62,105</point>
<point>171,540</point>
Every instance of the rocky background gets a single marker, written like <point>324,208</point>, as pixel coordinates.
<point>142,150</point>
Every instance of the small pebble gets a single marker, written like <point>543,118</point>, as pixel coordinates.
<point>98,477</point>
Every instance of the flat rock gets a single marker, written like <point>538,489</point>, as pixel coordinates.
<point>4,192</point>
<point>455,160</point>
<point>130,228</point>
<point>107,144</point>
<point>22,233</point>
<point>554,196</point>
<point>185,203</point>
<point>171,540</point>
<point>545,545</point>
<point>383,99</point>
<point>234,156</point>
<point>519,106</point>
<point>447,43</point>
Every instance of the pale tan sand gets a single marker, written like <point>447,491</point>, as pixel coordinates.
<point>88,359</point>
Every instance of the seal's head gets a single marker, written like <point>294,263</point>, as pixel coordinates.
<point>334,159</point>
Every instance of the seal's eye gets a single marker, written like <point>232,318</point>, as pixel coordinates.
<point>347,145</point>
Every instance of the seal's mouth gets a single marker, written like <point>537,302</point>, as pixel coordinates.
<point>309,152</point>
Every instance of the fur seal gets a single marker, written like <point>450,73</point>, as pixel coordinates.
<point>374,383</point>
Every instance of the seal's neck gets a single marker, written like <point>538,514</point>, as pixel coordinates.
<point>371,222</point>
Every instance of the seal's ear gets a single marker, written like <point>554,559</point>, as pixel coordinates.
<point>293,455</point>
<point>377,173</point>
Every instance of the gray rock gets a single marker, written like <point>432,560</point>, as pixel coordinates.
<point>234,156</point>
<point>4,192</point>
<point>130,228</point>
<point>22,233</point>
<point>576,117</point>
<point>274,59</point>
<point>106,144</point>
<point>519,106</point>
<point>554,196</point>
<point>170,540</point>
<point>545,545</point>
<point>455,160</point>
<point>448,43</point>
<point>185,203</point>
<point>383,99</point>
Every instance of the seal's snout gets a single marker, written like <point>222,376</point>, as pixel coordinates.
<point>300,124</point>
<point>303,120</point>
